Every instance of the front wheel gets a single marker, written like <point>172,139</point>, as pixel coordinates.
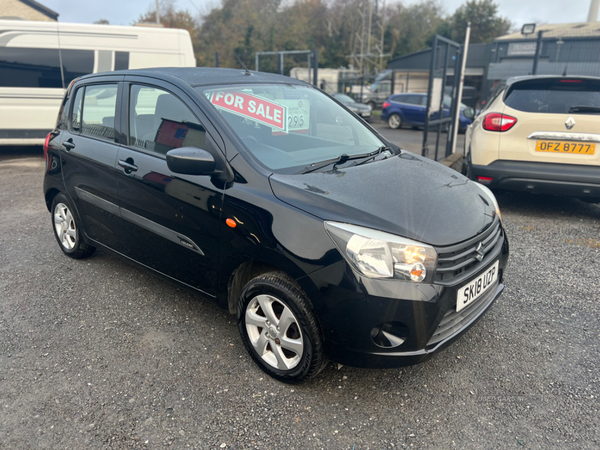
<point>66,229</point>
<point>395,121</point>
<point>279,328</point>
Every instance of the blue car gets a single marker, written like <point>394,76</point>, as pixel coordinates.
<point>409,109</point>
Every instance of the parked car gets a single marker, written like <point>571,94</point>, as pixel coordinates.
<point>266,196</point>
<point>359,109</point>
<point>410,109</point>
<point>539,134</point>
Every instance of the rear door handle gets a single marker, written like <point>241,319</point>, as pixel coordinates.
<point>68,144</point>
<point>128,165</point>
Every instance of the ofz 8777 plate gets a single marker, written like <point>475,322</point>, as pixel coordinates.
<point>476,288</point>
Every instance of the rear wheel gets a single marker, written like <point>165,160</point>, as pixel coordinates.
<point>373,105</point>
<point>279,328</point>
<point>395,121</point>
<point>67,230</point>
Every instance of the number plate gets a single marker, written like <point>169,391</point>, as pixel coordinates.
<point>578,148</point>
<point>476,288</point>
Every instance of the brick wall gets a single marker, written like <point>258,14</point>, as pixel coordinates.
<point>19,9</point>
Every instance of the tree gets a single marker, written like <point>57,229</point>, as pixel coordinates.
<point>102,22</point>
<point>410,28</point>
<point>486,24</point>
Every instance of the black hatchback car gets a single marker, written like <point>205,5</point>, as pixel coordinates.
<point>270,198</point>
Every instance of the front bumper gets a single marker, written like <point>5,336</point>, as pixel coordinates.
<point>543,178</point>
<point>350,315</point>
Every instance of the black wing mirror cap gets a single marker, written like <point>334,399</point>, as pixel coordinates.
<point>191,161</point>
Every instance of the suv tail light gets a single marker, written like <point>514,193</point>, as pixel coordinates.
<point>498,122</point>
<point>385,105</point>
<point>47,157</point>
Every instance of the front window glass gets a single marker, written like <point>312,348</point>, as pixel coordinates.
<point>287,127</point>
<point>159,121</point>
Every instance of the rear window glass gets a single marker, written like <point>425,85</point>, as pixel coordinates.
<point>555,96</point>
<point>96,117</point>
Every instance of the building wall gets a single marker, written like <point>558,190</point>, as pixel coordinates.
<point>16,8</point>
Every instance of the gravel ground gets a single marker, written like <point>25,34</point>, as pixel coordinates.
<point>99,354</point>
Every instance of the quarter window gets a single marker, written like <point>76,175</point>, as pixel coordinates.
<point>77,109</point>
<point>159,121</point>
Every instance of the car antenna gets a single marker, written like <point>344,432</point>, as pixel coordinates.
<point>247,72</point>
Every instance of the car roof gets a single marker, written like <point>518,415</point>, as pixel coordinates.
<point>204,76</point>
<point>513,80</point>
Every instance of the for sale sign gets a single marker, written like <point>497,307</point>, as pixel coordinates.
<point>253,107</point>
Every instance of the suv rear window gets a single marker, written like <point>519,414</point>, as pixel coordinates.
<point>555,96</point>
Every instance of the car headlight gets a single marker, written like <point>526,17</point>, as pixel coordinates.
<point>490,195</point>
<point>376,254</point>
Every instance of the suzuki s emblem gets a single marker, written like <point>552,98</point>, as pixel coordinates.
<point>479,250</point>
<point>570,123</point>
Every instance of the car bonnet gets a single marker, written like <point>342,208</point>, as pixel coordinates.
<point>406,195</point>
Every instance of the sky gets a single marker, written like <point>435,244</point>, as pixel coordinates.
<point>126,12</point>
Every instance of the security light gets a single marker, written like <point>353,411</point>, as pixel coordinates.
<point>528,28</point>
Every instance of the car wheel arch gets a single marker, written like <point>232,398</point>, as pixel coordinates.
<point>50,194</point>
<point>236,273</point>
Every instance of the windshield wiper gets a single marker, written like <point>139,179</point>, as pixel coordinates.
<point>374,154</point>
<point>585,109</point>
<point>335,161</point>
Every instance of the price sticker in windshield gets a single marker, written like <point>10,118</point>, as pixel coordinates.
<point>298,114</point>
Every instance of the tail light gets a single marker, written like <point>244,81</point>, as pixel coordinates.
<point>498,122</point>
<point>47,156</point>
<point>385,105</point>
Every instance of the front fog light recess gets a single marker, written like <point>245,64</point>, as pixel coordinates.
<point>377,254</point>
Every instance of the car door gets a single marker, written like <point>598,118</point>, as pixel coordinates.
<point>411,105</point>
<point>171,221</point>
<point>88,158</point>
<point>419,108</point>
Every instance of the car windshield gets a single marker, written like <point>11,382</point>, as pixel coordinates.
<point>343,98</point>
<point>287,127</point>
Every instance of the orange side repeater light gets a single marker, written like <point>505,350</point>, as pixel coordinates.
<point>230,223</point>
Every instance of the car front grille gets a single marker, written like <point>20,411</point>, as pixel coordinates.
<point>453,321</point>
<point>466,258</point>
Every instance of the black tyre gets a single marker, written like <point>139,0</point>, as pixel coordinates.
<point>395,121</point>
<point>373,105</point>
<point>466,167</point>
<point>67,230</point>
<point>279,328</point>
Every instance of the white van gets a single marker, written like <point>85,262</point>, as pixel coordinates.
<point>38,60</point>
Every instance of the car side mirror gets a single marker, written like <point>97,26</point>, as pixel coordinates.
<point>469,113</point>
<point>191,161</point>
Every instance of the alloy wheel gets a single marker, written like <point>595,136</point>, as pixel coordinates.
<point>64,225</point>
<point>274,332</point>
<point>394,121</point>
